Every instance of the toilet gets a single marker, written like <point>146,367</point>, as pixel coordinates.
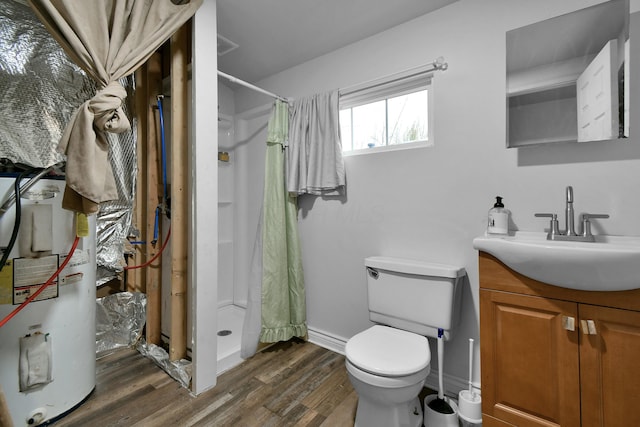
<point>388,363</point>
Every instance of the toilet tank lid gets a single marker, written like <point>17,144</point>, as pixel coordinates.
<point>411,266</point>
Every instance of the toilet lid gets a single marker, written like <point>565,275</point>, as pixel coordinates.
<point>386,351</point>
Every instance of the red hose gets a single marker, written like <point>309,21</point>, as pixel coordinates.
<point>42,288</point>
<point>64,264</point>
<point>146,264</point>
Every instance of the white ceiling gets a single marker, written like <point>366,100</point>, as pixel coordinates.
<point>274,35</point>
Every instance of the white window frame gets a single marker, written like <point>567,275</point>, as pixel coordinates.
<point>387,87</point>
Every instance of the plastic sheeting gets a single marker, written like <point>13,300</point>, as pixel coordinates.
<point>41,89</point>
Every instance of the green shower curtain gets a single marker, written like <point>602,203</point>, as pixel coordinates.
<point>283,295</point>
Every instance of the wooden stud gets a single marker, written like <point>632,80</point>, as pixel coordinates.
<point>179,194</point>
<point>136,278</point>
<point>5,416</point>
<point>153,190</point>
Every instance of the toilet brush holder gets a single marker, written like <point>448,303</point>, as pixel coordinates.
<point>433,418</point>
<point>470,407</point>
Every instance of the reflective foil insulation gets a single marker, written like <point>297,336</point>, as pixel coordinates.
<point>120,320</point>
<point>41,89</point>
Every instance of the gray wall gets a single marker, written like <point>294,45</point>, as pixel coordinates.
<point>430,203</point>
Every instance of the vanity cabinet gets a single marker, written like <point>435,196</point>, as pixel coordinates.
<point>553,356</point>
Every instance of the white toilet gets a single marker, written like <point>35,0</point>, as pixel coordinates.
<point>389,362</point>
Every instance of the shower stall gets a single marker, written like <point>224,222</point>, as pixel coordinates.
<point>241,146</point>
<point>240,179</point>
<point>231,304</point>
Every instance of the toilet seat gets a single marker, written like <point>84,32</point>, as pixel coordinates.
<point>388,352</point>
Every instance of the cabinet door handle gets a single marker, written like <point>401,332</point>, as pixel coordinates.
<point>588,327</point>
<point>569,323</point>
<point>584,327</point>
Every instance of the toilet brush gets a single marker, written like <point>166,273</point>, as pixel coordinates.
<point>471,392</point>
<point>439,404</point>
<point>470,402</point>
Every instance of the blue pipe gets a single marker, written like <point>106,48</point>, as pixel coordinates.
<point>155,226</point>
<point>164,150</point>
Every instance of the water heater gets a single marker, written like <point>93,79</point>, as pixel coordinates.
<point>47,350</point>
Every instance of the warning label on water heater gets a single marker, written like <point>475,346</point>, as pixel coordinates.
<point>29,274</point>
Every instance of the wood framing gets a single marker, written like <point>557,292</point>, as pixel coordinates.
<point>5,416</point>
<point>153,198</point>
<point>179,193</point>
<point>136,278</point>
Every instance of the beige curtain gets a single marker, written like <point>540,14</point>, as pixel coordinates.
<point>109,39</point>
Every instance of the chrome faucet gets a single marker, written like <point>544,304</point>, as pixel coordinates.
<point>570,233</point>
<point>568,214</point>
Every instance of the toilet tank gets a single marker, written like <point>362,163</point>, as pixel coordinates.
<point>413,295</point>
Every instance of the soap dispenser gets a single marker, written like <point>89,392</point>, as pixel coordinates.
<point>498,222</point>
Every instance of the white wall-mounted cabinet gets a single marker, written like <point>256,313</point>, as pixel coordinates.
<point>573,100</point>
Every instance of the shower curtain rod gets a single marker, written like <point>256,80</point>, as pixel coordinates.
<point>250,86</point>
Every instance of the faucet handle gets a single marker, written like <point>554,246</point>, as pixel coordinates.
<point>546,215</point>
<point>553,225</point>
<point>587,216</point>
<point>586,224</point>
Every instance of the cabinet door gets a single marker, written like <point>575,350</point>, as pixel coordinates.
<point>597,97</point>
<point>609,367</point>
<point>530,362</point>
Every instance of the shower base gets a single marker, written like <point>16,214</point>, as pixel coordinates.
<point>230,320</point>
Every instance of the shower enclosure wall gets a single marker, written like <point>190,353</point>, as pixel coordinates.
<point>240,179</point>
<point>232,288</point>
<point>231,305</point>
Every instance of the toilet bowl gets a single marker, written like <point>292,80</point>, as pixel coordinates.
<point>388,367</point>
<point>388,363</point>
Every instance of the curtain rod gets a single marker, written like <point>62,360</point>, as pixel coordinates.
<point>251,86</point>
<point>437,65</point>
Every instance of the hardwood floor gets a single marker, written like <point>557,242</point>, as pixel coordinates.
<point>288,384</point>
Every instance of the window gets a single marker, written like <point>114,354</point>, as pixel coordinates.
<point>387,114</point>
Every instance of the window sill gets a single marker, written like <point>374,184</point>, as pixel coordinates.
<point>387,148</point>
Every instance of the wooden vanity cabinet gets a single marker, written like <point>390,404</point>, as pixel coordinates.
<point>536,371</point>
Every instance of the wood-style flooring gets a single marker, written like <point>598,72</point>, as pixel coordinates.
<point>289,384</point>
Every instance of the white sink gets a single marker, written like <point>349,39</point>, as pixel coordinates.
<point>611,263</point>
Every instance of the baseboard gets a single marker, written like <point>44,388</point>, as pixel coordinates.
<point>452,384</point>
<point>328,341</point>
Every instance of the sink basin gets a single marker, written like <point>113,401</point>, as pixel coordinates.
<point>611,263</point>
